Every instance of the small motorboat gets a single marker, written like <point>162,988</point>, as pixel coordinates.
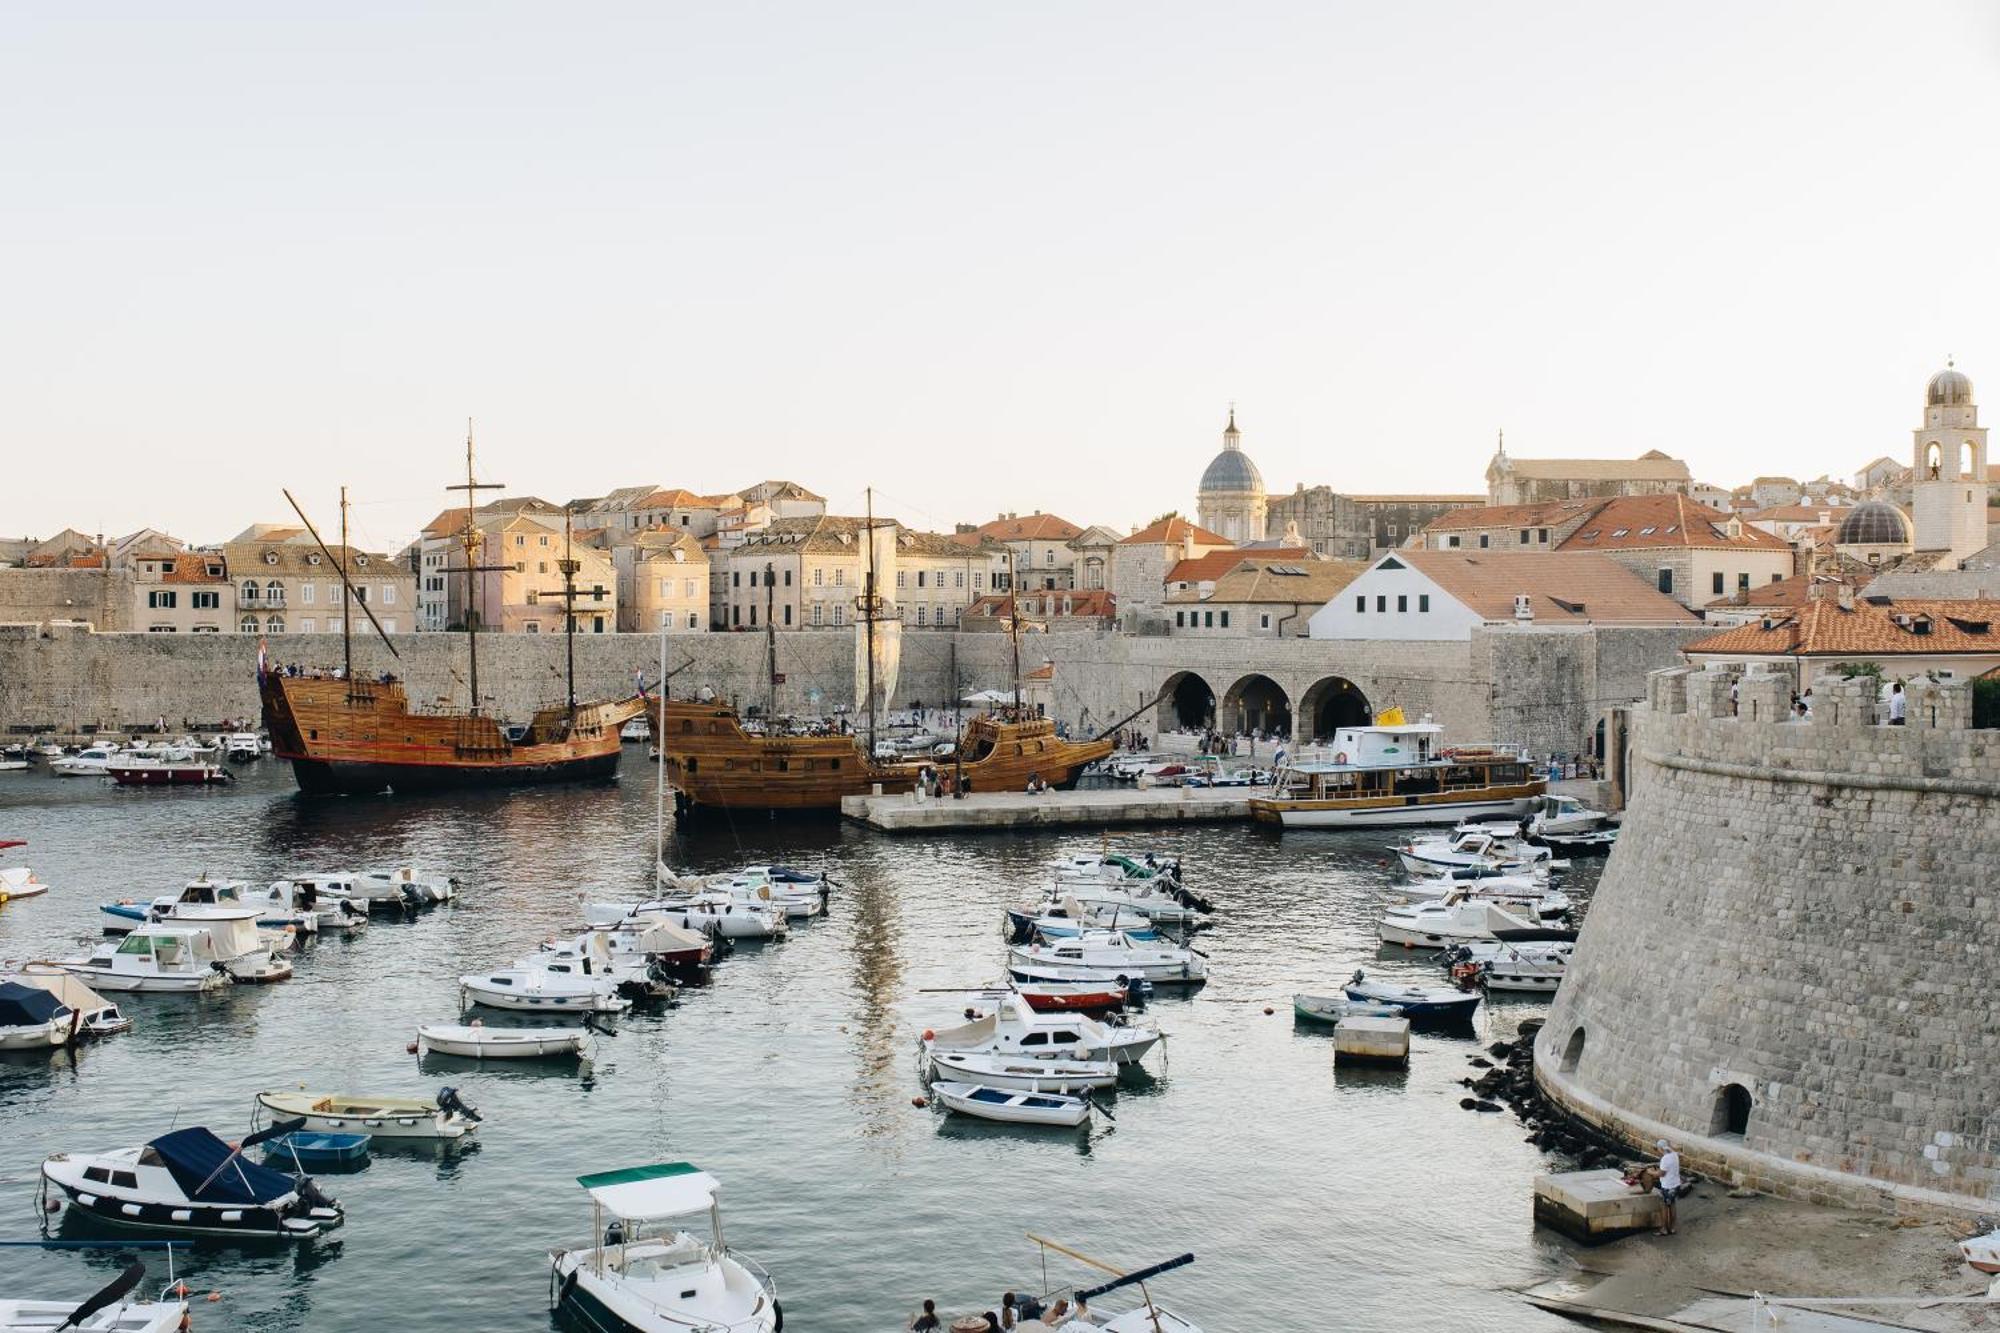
<point>1434,1003</point>
<point>1565,816</point>
<point>1009,1071</point>
<point>1450,920</point>
<point>31,1019</point>
<point>19,882</point>
<point>1147,1317</point>
<point>100,1017</point>
<point>242,746</point>
<point>545,984</point>
<point>244,951</point>
<point>303,1148</point>
<point>418,890</point>
<point>1089,997</point>
<point>1137,990</point>
<point>1070,918</point>
<point>1012,1105</point>
<point>634,975</point>
<point>447,1117</point>
<point>1014,1029</point>
<point>1510,891</point>
<point>13,764</point>
<point>476,1041</point>
<point>1515,969</point>
<point>801,893</point>
<point>190,1180</point>
<point>1115,954</point>
<point>680,952</point>
<point>171,959</point>
<point>721,917</point>
<point>1333,1008</point>
<point>638,729</point>
<point>1469,848</point>
<point>151,771</point>
<point>93,762</point>
<point>639,1273</point>
<point>108,1311</point>
<point>1599,842</point>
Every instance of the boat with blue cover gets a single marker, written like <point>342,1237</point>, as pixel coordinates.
<point>190,1180</point>
<point>1419,1003</point>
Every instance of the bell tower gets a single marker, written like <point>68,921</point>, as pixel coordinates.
<point>1948,477</point>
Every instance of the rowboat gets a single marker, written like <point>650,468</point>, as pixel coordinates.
<point>1006,1071</point>
<point>1082,996</point>
<point>1333,1008</point>
<point>476,1041</point>
<point>1011,1106</point>
<point>383,1117</point>
<point>305,1148</point>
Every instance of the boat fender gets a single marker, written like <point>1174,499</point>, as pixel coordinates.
<point>777,1318</point>
<point>929,1034</point>
<point>568,1285</point>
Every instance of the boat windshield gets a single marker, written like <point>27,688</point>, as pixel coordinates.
<point>137,944</point>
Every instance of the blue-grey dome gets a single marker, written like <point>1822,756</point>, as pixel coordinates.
<point>1232,470</point>
<point>1949,388</point>
<point>1873,524</point>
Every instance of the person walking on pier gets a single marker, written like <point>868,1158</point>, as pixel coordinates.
<point>1669,1187</point>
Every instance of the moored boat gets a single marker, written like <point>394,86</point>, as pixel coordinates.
<point>190,1180</point>
<point>1333,1008</point>
<point>1394,774</point>
<point>544,985</point>
<point>1435,1003</point>
<point>444,1117</point>
<point>1114,954</point>
<point>1014,1029</point>
<point>1014,1071</point>
<point>33,1019</point>
<point>1012,1105</point>
<point>476,1041</point>
<point>19,882</point>
<point>166,773</point>
<point>107,1311</point>
<point>155,957</point>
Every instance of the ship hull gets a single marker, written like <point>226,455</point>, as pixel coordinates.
<point>337,777</point>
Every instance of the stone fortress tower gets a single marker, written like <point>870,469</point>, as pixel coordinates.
<point>1790,965</point>
<point>1949,470</point>
<point>1230,500</point>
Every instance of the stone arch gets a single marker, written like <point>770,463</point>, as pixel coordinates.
<point>1188,703</point>
<point>1255,703</point>
<point>1731,1112</point>
<point>1933,461</point>
<point>1572,1051</point>
<point>1329,703</point>
<point>1968,459</point>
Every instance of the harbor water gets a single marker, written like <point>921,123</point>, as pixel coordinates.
<point>1312,1198</point>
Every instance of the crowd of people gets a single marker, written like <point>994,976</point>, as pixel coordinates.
<point>1019,1312</point>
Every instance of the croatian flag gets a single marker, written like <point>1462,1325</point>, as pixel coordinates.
<point>263,658</point>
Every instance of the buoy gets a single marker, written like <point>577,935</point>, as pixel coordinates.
<point>928,1034</point>
<point>53,1205</point>
<point>214,1296</point>
<point>1269,1010</point>
<point>411,1048</point>
<point>920,1102</point>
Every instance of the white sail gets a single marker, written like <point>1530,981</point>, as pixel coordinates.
<point>888,660</point>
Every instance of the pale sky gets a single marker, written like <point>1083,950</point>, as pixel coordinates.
<point>983,257</point>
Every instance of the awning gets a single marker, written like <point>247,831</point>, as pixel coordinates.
<point>27,1006</point>
<point>669,1189</point>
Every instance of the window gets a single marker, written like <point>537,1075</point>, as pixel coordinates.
<point>248,625</point>
<point>544,541</point>
<point>788,615</point>
<point>839,614</point>
<point>1524,536</point>
<point>1225,620</point>
<point>958,579</point>
<point>1381,602</point>
<point>1716,583</point>
<point>1402,603</point>
<point>902,577</point>
<point>1731,1113</point>
<point>1621,532</point>
<point>920,578</point>
<point>978,579</point>
<point>308,593</point>
<point>1542,535</point>
<point>819,576</point>
<point>1452,541</point>
<point>1180,619</point>
<point>1264,621</point>
<point>819,614</point>
<point>205,601</point>
<point>923,615</point>
<point>788,578</point>
<point>274,626</point>
<point>1743,583</point>
<point>735,615</point>
<point>274,593</point>
<point>839,577</point>
<point>1667,582</point>
<point>735,578</point>
<point>692,624</point>
<point>1208,620</point>
<point>1361,604</point>
<point>160,599</point>
<point>1423,602</point>
<point>1777,578</point>
<point>1483,541</point>
<point>753,613</point>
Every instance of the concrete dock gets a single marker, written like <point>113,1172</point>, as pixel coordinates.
<point>1595,1206</point>
<point>1102,807</point>
<point>1378,1041</point>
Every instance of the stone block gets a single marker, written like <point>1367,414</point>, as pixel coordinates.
<point>1710,694</point>
<point>1667,690</point>
<point>1764,698</point>
<point>1377,1041</point>
<point>1593,1207</point>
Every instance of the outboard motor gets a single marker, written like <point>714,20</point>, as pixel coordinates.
<point>449,1102</point>
<point>1136,989</point>
<point>312,1196</point>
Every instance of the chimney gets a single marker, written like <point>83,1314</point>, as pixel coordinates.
<point>1524,606</point>
<point>1847,596</point>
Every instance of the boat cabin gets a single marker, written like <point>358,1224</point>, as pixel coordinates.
<point>1405,760</point>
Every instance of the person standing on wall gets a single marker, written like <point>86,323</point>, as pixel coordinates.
<point>1669,1187</point>
<point>1898,705</point>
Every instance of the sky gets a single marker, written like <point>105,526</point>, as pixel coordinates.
<point>981,258</point>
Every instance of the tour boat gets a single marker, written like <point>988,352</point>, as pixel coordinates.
<point>1015,1029</point>
<point>640,1273</point>
<point>93,762</point>
<point>1467,848</point>
<point>108,1311</point>
<point>544,986</point>
<point>99,1016</point>
<point>190,1180</point>
<point>1013,1106</point>
<point>1112,953</point>
<point>31,1019</point>
<point>154,957</point>
<point>1022,1072</point>
<point>445,1117</point>
<point>1451,920</point>
<point>1397,774</point>
<point>1333,1008</point>
<point>476,1041</point>
<point>1423,1002</point>
<point>19,882</point>
<point>150,771</point>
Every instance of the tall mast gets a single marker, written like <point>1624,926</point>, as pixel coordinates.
<point>569,568</point>
<point>346,597</point>
<point>1014,630</point>
<point>770,650</point>
<point>660,753</point>
<point>868,611</point>
<point>957,702</point>
<point>469,539</point>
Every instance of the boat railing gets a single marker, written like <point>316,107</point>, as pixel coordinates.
<point>702,1252</point>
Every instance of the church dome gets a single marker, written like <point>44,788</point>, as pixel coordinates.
<point>1874,524</point>
<point>1949,388</point>
<point>1232,469</point>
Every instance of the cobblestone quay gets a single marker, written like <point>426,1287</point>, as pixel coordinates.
<point>1791,964</point>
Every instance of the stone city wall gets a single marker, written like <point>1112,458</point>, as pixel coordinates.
<point>1789,967</point>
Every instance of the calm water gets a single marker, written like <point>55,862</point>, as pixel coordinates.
<point>1311,1199</point>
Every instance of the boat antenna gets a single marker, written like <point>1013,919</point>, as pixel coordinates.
<point>569,568</point>
<point>346,623</point>
<point>469,538</point>
<point>660,753</point>
<point>958,741</point>
<point>346,587</point>
<point>770,649</point>
<point>868,614</point>
<point>1014,630</point>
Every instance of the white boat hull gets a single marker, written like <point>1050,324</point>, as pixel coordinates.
<point>1392,816</point>
<point>1012,1106</point>
<point>542,1002</point>
<point>393,1122</point>
<point>501,1043</point>
<point>100,979</point>
<point>35,1036</point>
<point>124,1317</point>
<point>1021,1074</point>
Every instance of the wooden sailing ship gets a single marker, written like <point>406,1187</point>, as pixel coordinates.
<point>345,734</point>
<point>714,762</point>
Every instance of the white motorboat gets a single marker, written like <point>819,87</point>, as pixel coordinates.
<point>1333,1008</point>
<point>154,957</point>
<point>12,765</point>
<point>242,747</point>
<point>749,891</point>
<point>1012,1105</point>
<point>1147,1317</point>
<point>1510,891</point>
<point>638,729</point>
<point>589,953</point>
<point>108,1311</point>
<point>1114,954</point>
<point>476,1041</point>
<point>544,985</point>
<point>418,890</point>
<point>19,882</point>
<point>1444,1003</point>
<point>1013,1071</point>
<point>100,1017</point>
<point>375,896</point>
<point>49,750</point>
<point>339,915</point>
<point>1476,952</point>
<point>446,1117</point>
<point>190,1180</point>
<point>1068,918</point>
<point>272,908</point>
<point>1128,767</point>
<point>31,1019</point>
<point>1515,969</point>
<point>640,1273</point>
<point>94,762</point>
<point>1565,816</point>
<point>1467,849</point>
<point>802,894</point>
<point>685,953</point>
<point>247,954</point>
<point>1014,1028</point>
<point>720,916</point>
<point>1160,901</point>
<point>1452,919</point>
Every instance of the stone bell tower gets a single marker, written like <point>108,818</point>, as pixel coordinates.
<point>1948,481</point>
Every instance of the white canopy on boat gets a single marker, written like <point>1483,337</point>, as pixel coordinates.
<point>639,1193</point>
<point>64,987</point>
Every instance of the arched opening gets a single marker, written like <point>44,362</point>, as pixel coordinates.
<point>1933,461</point>
<point>1189,705</point>
<point>1255,705</point>
<point>1333,702</point>
<point>1968,460</point>
<point>1731,1115</point>
<point>1572,1051</point>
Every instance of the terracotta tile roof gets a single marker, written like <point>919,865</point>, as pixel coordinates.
<point>1564,588</point>
<point>449,523</point>
<point>910,542</point>
<point>1279,582</point>
<point>1466,500</point>
<point>1649,466</point>
<point>192,567</point>
<point>1822,628</point>
<point>1547,513</point>
<point>1796,513</point>
<point>1083,602</point>
<point>1034,527</point>
<point>1170,531</point>
<point>1638,521</point>
<point>1208,568</point>
<point>661,543</point>
<point>680,497</point>
<point>1788,592</point>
